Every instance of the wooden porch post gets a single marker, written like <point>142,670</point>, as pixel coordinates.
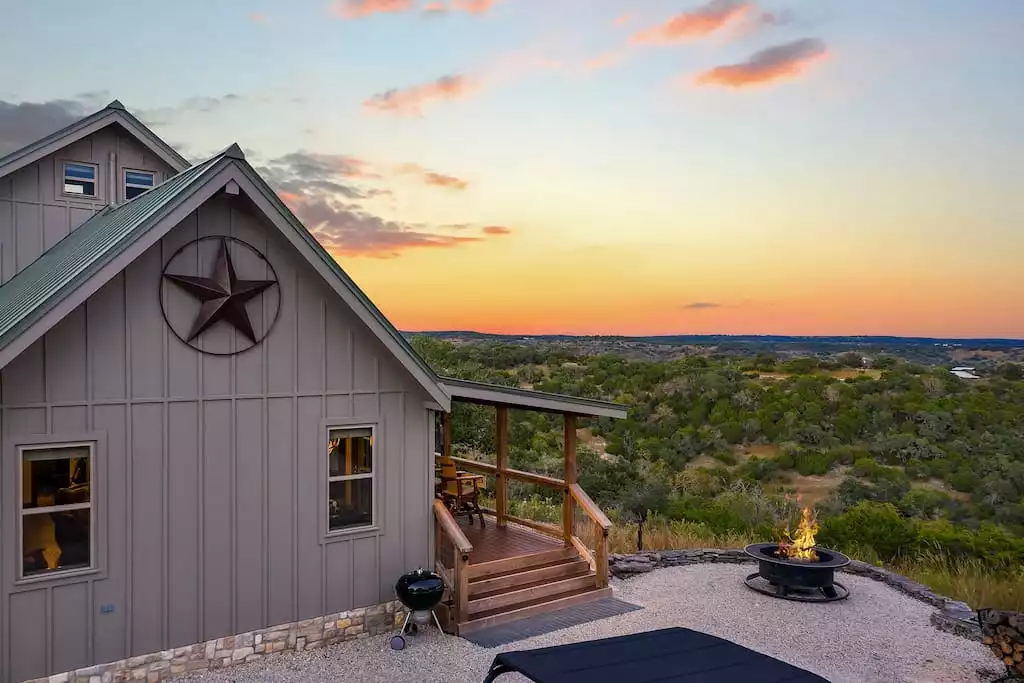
<point>446,421</point>
<point>500,480</point>
<point>570,475</point>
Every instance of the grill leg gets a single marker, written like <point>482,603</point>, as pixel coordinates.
<point>438,622</point>
<point>830,592</point>
<point>780,590</point>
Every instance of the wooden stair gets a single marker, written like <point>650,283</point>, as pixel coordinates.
<point>502,591</point>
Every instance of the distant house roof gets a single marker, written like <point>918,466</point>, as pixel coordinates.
<point>480,392</point>
<point>963,368</point>
<point>112,113</point>
<point>963,374</point>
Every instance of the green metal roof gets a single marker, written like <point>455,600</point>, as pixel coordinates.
<point>35,290</point>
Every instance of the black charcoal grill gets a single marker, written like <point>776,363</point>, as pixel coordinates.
<point>420,591</point>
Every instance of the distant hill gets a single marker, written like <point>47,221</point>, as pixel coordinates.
<point>927,350</point>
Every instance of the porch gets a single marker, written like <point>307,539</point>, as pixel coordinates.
<point>512,567</point>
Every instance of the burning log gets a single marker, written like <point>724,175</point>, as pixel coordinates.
<point>1003,633</point>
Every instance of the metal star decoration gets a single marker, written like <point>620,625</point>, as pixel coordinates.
<point>223,296</point>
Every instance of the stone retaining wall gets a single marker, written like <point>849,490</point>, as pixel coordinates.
<point>953,616</point>
<point>244,647</point>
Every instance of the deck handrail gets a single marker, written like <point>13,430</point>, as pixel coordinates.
<point>590,507</point>
<point>597,534</point>
<point>520,475</point>
<point>451,528</point>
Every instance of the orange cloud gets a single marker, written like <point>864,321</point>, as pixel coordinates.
<point>435,8</point>
<point>772,64</point>
<point>411,101</point>
<point>473,6</point>
<point>258,18</point>
<point>356,9</point>
<point>433,178</point>
<point>603,61</point>
<point>497,230</point>
<point>623,20</point>
<point>697,23</point>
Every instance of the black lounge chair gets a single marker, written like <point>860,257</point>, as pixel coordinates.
<point>671,655</point>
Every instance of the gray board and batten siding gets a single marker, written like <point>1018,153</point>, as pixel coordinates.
<point>210,471</point>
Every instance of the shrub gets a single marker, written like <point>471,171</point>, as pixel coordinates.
<point>878,525</point>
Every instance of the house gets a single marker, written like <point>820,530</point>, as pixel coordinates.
<point>214,445</point>
<point>964,373</point>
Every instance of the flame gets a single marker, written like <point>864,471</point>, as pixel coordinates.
<point>800,546</point>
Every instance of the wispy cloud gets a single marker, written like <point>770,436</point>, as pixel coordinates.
<point>433,177</point>
<point>789,60</point>
<point>699,305</point>
<point>496,230</point>
<point>259,18</point>
<point>696,23</point>
<point>604,60</point>
<point>412,100</point>
<point>201,104</point>
<point>357,9</point>
<point>623,19</point>
<point>327,191</point>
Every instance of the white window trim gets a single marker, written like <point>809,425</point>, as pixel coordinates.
<point>125,184</point>
<point>23,512</point>
<point>372,476</point>
<point>63,176</point>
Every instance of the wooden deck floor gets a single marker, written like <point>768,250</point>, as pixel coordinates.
<point>492,543</point>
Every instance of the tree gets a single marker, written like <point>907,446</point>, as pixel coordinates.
<point>851,359</point>
<point>1011,371</point>
<point>647,491</point>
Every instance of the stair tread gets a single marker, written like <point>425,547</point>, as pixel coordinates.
<point>554,563</point>
<point>533,603</point>
<point>533,584</point>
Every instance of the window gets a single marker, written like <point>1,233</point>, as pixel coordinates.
<point>137,182</point>
<point>57,522</point>
<point>79,179</point>
<point>350,478</point>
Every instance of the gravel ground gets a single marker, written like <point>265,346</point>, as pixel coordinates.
<point>875,635</point>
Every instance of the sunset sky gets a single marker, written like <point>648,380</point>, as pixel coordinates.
<point>594,166</point>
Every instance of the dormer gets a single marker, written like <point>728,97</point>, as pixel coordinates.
<point>51,186</point>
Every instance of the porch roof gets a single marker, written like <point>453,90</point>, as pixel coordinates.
<point>494,394</point>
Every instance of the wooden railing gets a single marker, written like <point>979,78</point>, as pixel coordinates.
<point>451,552</point>
<point>590,533</point>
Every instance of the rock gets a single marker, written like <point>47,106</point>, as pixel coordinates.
<point>631,567</point>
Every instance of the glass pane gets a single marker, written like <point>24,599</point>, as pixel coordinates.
<point>136,178</point>
<point>350,504</point>
<point>80,187</point>
<point>55,476</point>
<point>350,451</point>
<point>56,541</point>
<point>80,171</point>
<point>133,192</point>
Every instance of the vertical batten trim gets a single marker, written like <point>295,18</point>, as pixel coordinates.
<point>128,458</point>
<point>165,598</point>
<point>201,464</point>
<point>295,449</point>
<point>319,465</point>
<point>265,452</point>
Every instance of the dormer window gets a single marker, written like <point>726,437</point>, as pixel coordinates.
<point>79,179</point>
<point>137,182</point>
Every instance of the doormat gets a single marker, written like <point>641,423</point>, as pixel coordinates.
<point>551,621</point>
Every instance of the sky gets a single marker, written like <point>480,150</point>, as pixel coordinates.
<point>624,167</point>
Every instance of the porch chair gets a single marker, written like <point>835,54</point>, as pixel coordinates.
<point>460,490</point>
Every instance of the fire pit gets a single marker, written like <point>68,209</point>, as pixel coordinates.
<point>796,568</point>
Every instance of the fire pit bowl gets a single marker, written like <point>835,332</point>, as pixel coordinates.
<point>802,580</point>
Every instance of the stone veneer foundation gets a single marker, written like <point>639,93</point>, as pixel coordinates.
<point>243,647</point>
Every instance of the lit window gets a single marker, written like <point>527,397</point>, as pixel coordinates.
<point>56,509</point>
<point>350,478</point>
<point>80,179</point>
<point>137,182</point>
